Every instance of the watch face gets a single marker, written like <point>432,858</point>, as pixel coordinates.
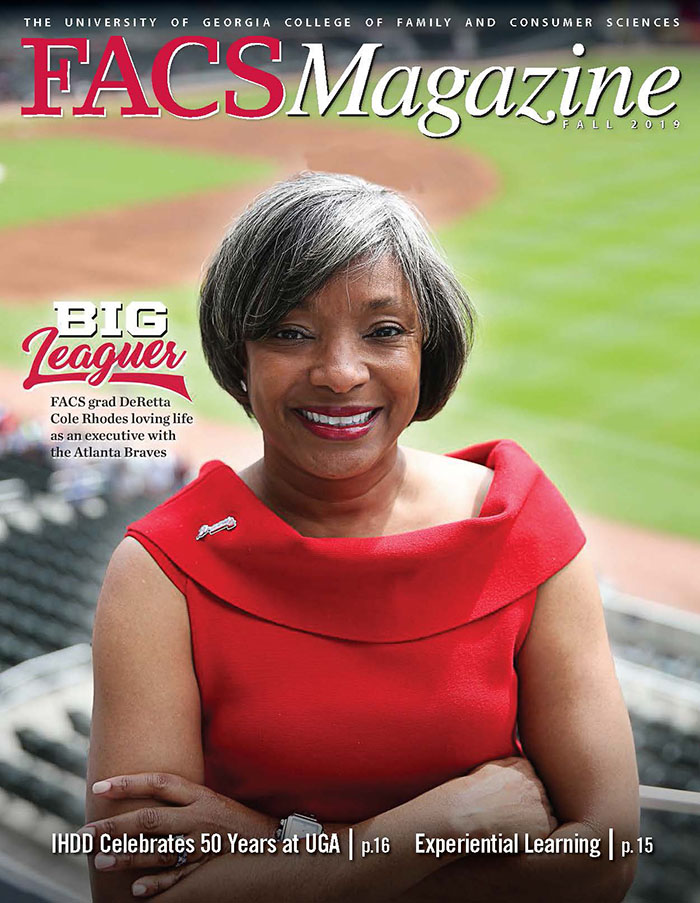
<point>299,826</point>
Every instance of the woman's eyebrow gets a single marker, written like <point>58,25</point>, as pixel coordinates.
<point>378,303</point>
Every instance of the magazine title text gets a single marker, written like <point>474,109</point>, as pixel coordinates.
<point>401,90</point>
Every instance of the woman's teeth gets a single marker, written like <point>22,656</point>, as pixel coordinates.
<point>337,421</point>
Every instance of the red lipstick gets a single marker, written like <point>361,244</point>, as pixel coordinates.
<point>339,432</point>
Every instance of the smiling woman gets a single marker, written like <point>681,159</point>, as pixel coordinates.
<point>302,236</point>
<point>407,645</point>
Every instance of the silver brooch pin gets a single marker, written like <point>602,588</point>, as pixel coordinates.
<point>228,523</point>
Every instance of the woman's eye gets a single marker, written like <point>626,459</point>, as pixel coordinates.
<point>387,332</point>
<point>288,333</point>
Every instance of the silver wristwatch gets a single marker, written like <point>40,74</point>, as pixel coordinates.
<point>297,825</point>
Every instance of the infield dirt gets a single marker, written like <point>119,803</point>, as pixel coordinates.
<point>165,242</point>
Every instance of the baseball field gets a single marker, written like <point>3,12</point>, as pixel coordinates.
<point>579,248</point>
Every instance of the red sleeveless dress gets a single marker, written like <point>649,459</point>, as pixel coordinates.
<point>344,676</point>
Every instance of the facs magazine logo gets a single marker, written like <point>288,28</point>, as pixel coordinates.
<point>147,363</point>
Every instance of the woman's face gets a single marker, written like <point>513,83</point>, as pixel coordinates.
<point>338,380</point>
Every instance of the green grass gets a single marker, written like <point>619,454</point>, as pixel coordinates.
<point>585,274</point>
<point>584,270</point>
<point>52,178</point>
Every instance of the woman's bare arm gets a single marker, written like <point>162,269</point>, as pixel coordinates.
<point>146,713</point>
<point>575,730</point>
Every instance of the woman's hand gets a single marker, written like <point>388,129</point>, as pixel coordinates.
<point>503,796</point>
<point>193,810</point>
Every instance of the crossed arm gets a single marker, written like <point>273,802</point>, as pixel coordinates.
<point>573,727</point>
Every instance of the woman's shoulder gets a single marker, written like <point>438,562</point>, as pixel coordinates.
<point>133,571</point>
<point>164,540</point>
<point>500,477</point>
<point>453,488</point>
<point>192,500</point>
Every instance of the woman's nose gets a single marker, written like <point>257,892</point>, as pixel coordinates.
<point>339,366</point>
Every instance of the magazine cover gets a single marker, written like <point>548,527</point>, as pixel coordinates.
<point>349,473</point>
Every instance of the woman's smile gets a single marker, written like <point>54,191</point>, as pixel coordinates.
<point>338,423</point>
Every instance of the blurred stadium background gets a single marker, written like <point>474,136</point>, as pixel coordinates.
<point>580,252</point>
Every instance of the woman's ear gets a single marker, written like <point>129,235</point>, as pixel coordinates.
<point>244,363</point>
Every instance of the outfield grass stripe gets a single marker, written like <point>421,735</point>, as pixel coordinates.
<point>54,178</point>
<point>645,450</point>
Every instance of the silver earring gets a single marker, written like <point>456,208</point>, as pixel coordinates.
<point>244,387</point>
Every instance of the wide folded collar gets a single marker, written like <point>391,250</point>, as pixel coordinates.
<point>379,589</point>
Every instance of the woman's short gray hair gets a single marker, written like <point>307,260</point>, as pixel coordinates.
<point>294,237</point>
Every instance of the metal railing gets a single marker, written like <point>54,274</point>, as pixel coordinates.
<point>668,800</point>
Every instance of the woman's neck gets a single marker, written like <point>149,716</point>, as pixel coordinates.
<point>361,505</point>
